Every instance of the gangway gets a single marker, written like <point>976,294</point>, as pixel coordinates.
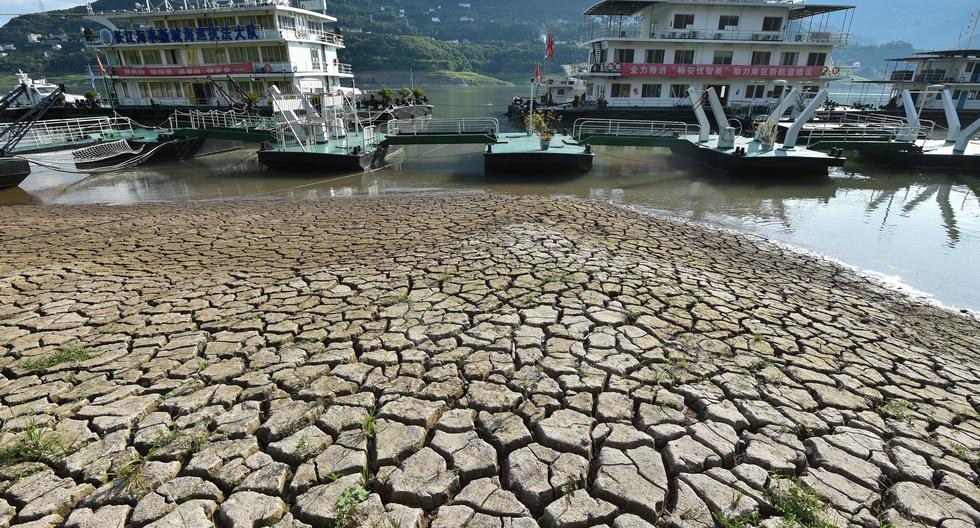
<point>448,131</point>
<point>230,124</point>
<point>631,133</point>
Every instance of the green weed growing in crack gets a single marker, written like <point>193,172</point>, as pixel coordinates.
<point>36,442</point>
<point>964,453</point>
<point>632,316</point>
<point>348,506</point>
<point>65,354</point>
<point>130,473</point>
<point>393,300</point>
<point>368,426</point>
<point>897,409</point>
<point>798,504</point>
<point>739,521</point>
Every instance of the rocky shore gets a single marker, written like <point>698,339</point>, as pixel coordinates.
<point>465,361</point>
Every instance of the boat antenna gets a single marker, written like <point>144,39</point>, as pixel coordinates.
<point>973,29</point>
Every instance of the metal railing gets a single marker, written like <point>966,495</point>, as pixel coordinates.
<point>868,128</point>
<point>198,120</point>
<point>449,126</point>
<point>645,32</point>
<point>53,132</point>
<point>632,128</point>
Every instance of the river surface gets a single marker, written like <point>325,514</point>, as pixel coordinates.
<point>919,231</point>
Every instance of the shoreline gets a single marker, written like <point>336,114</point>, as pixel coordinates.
<point>436,358</point>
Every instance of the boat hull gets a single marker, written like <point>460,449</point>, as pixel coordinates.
<point>13,172</point>
<point>940,162</point>
<point>759,166</point>
<point>321,161</point>
<point>522,163</point>
<point>170,149</point>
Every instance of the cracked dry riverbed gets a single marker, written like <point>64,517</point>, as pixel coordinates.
<point>465,361</point>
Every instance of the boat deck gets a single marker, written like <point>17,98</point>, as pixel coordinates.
<point>521,152</point>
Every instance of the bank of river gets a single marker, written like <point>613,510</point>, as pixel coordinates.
<point>437,360</point>
<point>918,230</point>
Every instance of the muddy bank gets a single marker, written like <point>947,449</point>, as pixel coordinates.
<point>464,361</point>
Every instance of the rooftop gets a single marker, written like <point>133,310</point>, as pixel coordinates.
<point>798,8</point>
<point>941,54</point>
<point>196,7</point>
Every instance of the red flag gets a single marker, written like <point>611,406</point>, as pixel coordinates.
<point>537,72</point>
<point>549,48</point>
<point>101,68</point>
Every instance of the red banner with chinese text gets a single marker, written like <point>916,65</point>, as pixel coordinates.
<point>720,70</point>
<point>180,71</point>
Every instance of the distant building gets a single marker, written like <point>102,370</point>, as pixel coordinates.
<point>465,6</point>
<point>436,19</point>
<point>466,19</point>
<point>33,38</point>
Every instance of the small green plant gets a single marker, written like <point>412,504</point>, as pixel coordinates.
<point>385,302</point>
<point>386,94</point>
<point>798,504</point>
<point>418,93</point>
<point>747,520</point>
<point>201,364</point>
<point>35,443</point>
<point>69,353</point>
<point>368,426</point>
<point>897,409</point>
<point>964,453</point>
<point>404,93</point>
<point>632,316</point>
<point>348,506</point>
<point>131,472</point>
<point>757,338</point>
<point>543,124</point>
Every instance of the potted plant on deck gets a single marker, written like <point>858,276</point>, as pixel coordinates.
<point>543,125</point>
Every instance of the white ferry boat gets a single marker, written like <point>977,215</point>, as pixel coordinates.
<point>206,54</point>
<point>644,55</point>
<point>36,90</point>
<point>925,75</point>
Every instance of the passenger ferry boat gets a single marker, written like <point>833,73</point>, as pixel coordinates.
<point>925,75</point>
<point>644,55</point>
<point>216,54</point>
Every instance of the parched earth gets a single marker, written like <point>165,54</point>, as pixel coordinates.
<point>465,361</point>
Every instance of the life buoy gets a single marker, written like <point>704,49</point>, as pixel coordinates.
<point>836,70</point>
<point>267,68</point>
<point>610,67</point>
<point>825,70</point>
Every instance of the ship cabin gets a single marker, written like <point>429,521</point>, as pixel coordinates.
<point>927,74</point>
<point>647,53</point>
<point>211,53</point>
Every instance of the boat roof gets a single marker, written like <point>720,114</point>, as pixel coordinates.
<point>941,54</point>
<point>210,8</point>
<point>797,8</point>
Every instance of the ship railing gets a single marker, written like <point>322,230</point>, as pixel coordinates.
<point>645,32</point>
<point>586,127</point>
<point>200,120</point>
<point>448,126</point>
<point>870,128</point>
<point>54,132</point>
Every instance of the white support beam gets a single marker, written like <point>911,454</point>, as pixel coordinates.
<point>703,122</point>
<point>952,119</point>
<point>794,131</point>
<point>719,111</point>
<point>911,114</point>
<point>966,137</point>
<point>777,114</point>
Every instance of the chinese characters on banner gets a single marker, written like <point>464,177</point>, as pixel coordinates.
<point>187,34</point>
<point>716,70</point>
<point>179,71</point>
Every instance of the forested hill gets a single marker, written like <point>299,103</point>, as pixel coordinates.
<point>501,38</point>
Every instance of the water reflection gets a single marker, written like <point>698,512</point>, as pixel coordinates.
<point>923,229</point>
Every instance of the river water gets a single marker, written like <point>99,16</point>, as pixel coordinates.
<point>917,231</point>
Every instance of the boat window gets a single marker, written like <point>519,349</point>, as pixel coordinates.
<point>150,57</point>
<point>683,21</point>
<point>772,24</point>
<point>286,22</point>
<point>238,55</point>
<point>655,56</point>
<point>679,90</point>
<point>683,56</point>
<point>723,57</point>
<point>755,91</point>
<point>315,57</point>
<point>651,90</point>
<point>727,21</point>
<point>214,55</point>
<point>623,56</point>
<point>619,90</point>
<point>132,58</point>
<point>789,58</point>
<point>171,56</point>
<point>816,59</point>
<point>761,58</point>
<point>273,54</point>
<point>43,90</point>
